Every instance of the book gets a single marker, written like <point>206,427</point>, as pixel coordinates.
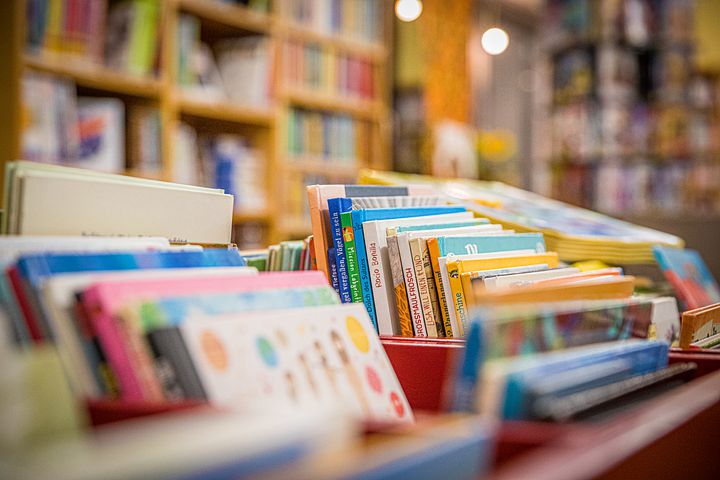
<point>78,353</point>
<point>52,200</point>
<point>338,360</point>
<point>699,323</point>
<point>687,273</point>
<point>494,282</point>
<point>402,307</point>
<point>376,234</point>
<point>132,36</point>
<point>318,196</point>
<point>101,134</point>
<point>507,382</point>
<point>456,267</point>
<point>432,323</point>
<point>351,257</point>
<point>369,255</point>
<point>102,301</point>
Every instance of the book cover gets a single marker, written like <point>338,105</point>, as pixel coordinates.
<point>411,286</point>
<point>336,206</point>
<point>257,360</point>
<point>351,257</point>
<point>686,271</point>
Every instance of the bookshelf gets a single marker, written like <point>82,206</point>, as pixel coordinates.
<point>263,126</point>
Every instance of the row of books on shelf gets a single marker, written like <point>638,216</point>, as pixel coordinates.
<point>237,69</point>
<point>587,131</point>
<point>318,68</point>
<point>639,188</point>
<point>613,72</point>
<point>123,35</point>
<point>316,135</point>
<point>226,161</point>
<point>359,20</point>
<point>636,22</point>
<point>88,132</point>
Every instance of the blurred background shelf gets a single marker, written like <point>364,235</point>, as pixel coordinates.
<point>224,111</point>
<point>93,75</point>
<point>235,16</point>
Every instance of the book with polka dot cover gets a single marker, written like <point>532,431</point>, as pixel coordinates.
<point>296,359</point>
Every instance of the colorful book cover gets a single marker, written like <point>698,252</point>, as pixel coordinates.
<point>332,268</point>
<point>257,360</point>
<point>689,276</point>
<point>351,257</point>
<point>336,206</point>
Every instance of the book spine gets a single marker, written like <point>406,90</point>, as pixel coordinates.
<point>457,294</point>
<point>366,286</point>
<point>140,355</point>
<point>416,314</point>
<point>401,300</point>
<point>351,258</point>
<point>94,355</point>
<point>181,379</point>
<point>432,291</point>
<point>466,279</point>
<point>384,308</point>
<point>434,252</point>
<point>422,286</point>
<point>332,267</point>
<point>337,206</point>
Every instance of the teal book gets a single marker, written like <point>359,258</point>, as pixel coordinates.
<point>470,245</point>
<point>366,215</point>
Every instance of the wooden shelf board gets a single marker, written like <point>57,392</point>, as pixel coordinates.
<point>93,75</point>
<point>372,51</point>
<point>335,168</point>
<point>365,109</point>
<point>291,225</point>
<point>243,217</point>
<point>234,16</point>
<point>225,112</point>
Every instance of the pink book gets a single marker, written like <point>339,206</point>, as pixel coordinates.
<point>102,300</point>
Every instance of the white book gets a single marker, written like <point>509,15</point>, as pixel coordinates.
<point>518,279</point>
<point>665,319</point>
<point>380,275</point>
<point>63,205</point>
<point>442,263</point>
<point>58,298</point>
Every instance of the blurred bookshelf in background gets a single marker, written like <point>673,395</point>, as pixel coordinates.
<point>256,97</point>
<point>636,126</point>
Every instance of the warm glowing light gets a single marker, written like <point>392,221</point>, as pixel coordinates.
<point>408,10</point>
<point>495,41</point>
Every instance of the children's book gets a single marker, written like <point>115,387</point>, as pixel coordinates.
<point>76,349</point>
<point>102,301</point>
<point>686,271</point>
<point>699,323</point>
<point>258,360</point>
<point>368,255</point>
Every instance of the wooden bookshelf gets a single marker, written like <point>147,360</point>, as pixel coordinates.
<point>265,127</point>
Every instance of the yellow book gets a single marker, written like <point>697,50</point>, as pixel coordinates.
<point>434,251</point>
<point>456,267</point>
<point>601,289</point>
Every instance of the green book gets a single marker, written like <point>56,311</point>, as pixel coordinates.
<point>351,257</point>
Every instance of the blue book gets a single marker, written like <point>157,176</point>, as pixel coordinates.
<point>332,266</point>
<point>643,356</point>
<point>366,215</point>
<point>336,206</point>
<point>467,245</point>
